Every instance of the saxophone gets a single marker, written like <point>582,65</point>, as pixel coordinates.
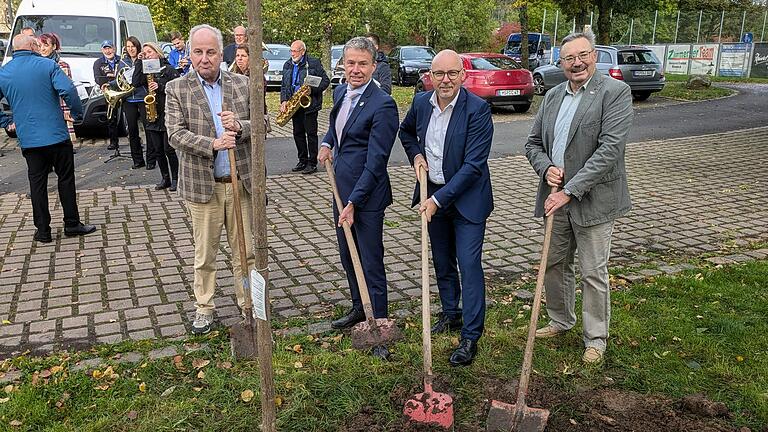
<point>149,101</point>
<point>301,99</point>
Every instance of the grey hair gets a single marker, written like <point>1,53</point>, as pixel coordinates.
<point>214,30</point>
<point>589,36</point>
<point>301,42</point>
<point>363,44</point>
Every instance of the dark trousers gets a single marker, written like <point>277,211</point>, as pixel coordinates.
<point>113,126</point>
<point>39,162</point>
<point>132,118</point>
<point>367,230</point>
<point>163,153</point>
<point>305,136</point>
<point>457,248</point>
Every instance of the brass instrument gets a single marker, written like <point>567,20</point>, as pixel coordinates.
<point>115,97</point>
<point>301,99</point>
<point>149,101</point>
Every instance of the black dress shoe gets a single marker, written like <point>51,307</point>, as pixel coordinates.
<point>138,165</point>
<point>164,184</point>
<point>150,166</point>
<point>353,317</point>
<point>78,230</point>
<point>446,324</point>
<point>112,146</point>
<point>299,167</point>
<point>310,169</point>
<point>464,354</point>
<point>43,237</point>
<point>173,187</point>
<point>380,352</point>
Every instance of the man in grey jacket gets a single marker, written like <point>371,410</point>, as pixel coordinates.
<point>577,144</point>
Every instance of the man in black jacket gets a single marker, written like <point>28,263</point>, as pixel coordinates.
<point>104,71</point>
<point>382,75</point>
<point>295,71</point>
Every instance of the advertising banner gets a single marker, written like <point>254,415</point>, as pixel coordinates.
<point>734,59</point>
<point>760,61</point>
<point>660,51</point>
<point>678,57</point>
<point>704,59</point>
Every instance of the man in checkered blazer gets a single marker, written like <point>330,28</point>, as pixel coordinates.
<point>207,113</point>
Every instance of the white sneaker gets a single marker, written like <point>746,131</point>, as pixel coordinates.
<point>202,323</point>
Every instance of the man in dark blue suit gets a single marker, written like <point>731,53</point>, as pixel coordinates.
<point>448,132</point>
<point>363,127</point>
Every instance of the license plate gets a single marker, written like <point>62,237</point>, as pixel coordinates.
<point>508,93</point>
<point>643,73</point>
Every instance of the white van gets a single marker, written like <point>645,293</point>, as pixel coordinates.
<point>82,25</point>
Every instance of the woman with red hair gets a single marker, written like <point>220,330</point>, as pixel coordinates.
<point>50,46</point>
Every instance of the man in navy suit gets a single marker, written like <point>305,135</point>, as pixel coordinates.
<point>449,131</point>
<point>363,127</point>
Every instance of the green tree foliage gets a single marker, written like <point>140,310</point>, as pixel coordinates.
<point>177,15</point>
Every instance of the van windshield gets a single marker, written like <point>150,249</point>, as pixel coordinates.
<point>79,35</point>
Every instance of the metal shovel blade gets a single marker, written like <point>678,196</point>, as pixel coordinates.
<point>430,408</point>
<point>501,417</point>
<point>364,336</point>
<point>242,335</point>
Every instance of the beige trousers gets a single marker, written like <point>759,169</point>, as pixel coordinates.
<point>207,221</point>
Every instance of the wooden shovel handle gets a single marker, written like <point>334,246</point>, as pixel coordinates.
<point>525,373</point>
<point>359,275</point>
<point>426,332</point>
<point>240,228</point>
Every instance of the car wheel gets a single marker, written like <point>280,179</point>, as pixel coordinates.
<point>641,95</point>
<point>419,87</point>
<point>538,85</point>
<point>10,134</point>
<point>522,108</point>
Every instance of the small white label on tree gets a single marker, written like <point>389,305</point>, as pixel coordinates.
<point>258,287</point>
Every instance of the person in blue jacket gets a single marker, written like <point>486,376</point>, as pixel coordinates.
<point>42,131</point>
<point>449,132</point>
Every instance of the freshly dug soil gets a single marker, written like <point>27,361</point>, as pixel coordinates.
<point>588,410</point>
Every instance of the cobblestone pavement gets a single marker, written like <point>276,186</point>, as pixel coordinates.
<point>132,278</point>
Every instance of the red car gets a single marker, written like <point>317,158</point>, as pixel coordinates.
<point>497,78</point>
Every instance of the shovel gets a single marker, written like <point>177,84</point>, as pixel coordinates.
<point>520,417</point>
<point>430,407</point>
<point>372,332</point>
<point>242,334</point>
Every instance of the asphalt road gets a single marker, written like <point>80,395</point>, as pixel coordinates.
<point>654,120</point>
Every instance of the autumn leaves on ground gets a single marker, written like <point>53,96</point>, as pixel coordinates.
<point>688,353</point>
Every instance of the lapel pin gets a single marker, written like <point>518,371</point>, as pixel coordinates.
<point>361,103</point>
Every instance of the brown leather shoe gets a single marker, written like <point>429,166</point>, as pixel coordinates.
<point>592,355</point>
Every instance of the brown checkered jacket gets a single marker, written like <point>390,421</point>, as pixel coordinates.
<point>191,131</point>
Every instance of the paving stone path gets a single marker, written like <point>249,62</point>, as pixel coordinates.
<point>133,278</point>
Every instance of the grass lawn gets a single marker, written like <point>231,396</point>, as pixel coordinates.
<point>684,78</point>
<point>677,90</point>
<point>702,332</point>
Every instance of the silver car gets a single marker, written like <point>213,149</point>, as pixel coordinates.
<point>277,55</point>
<point>636,65</point>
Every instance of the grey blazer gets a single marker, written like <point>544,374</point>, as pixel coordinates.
<point>594,153</point>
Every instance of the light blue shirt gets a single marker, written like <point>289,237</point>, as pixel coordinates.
<point>213,94</point>
<point>563,123</point>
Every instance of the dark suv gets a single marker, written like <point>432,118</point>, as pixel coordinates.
<point>636,65</point>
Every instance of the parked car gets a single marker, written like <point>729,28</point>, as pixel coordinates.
<point>336,52</point>
<point>167,47</point>
<point>636,65</point>
<point>337,65</point>
<point>497,78</point>
<point>407,63</point>
<point>277,55</point>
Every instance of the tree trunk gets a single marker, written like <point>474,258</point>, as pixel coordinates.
<point>603,28</point>
<point>524,35</point>
<point>325,46</point>
<point>259,189</point>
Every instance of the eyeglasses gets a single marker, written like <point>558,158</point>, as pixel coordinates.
<point>297,50</point>
<point>452,74</point>
<point>583,56</point>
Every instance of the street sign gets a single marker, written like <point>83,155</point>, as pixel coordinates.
<point>747,37</point>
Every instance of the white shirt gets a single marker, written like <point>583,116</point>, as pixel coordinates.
<point>434,140</point>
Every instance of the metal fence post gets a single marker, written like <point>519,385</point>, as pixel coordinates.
<point>720,35</point>
<point>631,29</point>
<point>743,18</point>
<point>765,15</point>
<point>677,25</point>
<point>573,27</point>
<point>554,37</point>
<point>698,30</point>
<point>655,18</point>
